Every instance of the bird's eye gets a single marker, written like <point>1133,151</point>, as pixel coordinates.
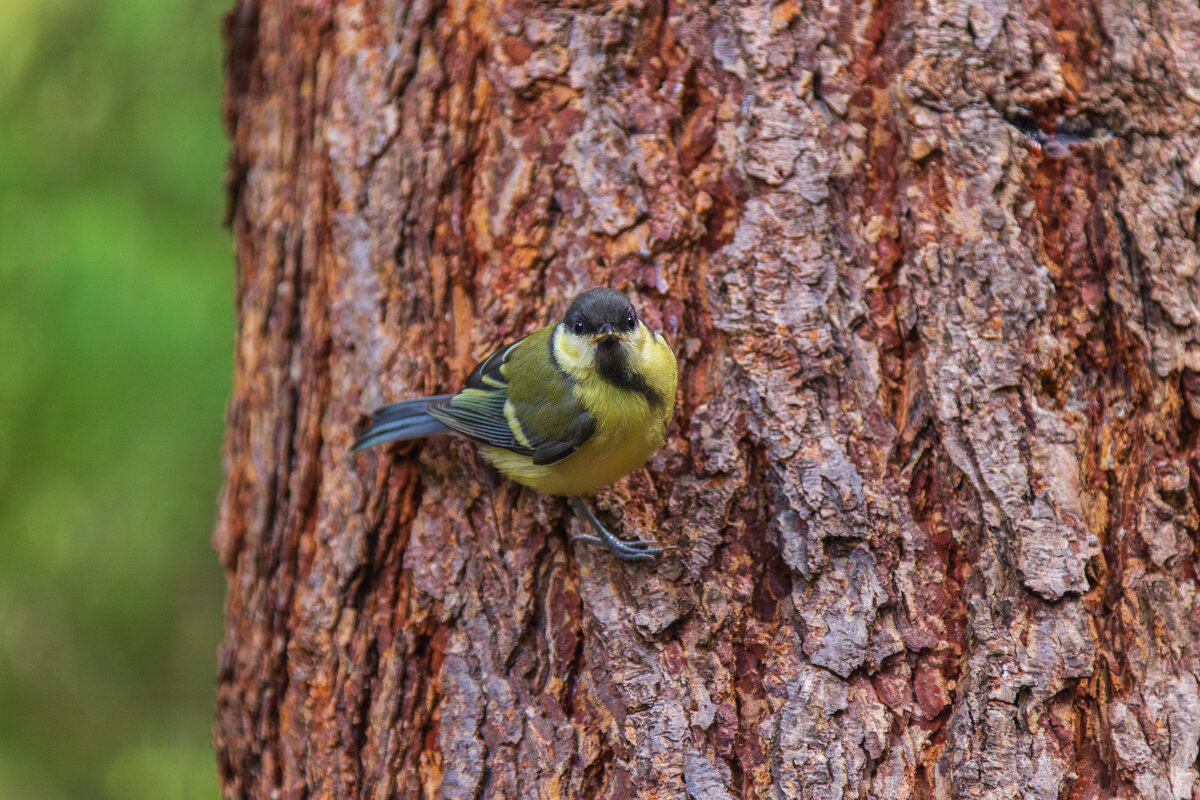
<point>630,320</point>
<point>579,326</point>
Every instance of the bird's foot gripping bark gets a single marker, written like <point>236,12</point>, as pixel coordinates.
<point>636,550</point>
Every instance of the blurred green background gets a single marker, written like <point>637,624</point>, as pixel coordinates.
<point>116,335</point>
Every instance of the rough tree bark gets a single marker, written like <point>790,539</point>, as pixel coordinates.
<point>931,271</point>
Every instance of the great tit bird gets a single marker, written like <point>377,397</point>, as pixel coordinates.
<point>565,410</point>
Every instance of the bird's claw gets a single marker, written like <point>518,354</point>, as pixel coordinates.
<point>636,550</point>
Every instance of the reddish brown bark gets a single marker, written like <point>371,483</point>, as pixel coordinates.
<point>930,270</point>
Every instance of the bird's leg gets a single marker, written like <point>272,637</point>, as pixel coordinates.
<point>636,550</point>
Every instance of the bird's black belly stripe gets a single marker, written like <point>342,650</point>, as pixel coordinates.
<point>613,368</point>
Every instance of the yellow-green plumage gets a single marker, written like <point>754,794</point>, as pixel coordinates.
<point>566,410</point>
<point>628,428</point>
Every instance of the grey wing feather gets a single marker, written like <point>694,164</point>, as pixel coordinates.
<point>551,450</point>
<point>487,375</point>
<point>479,414</point>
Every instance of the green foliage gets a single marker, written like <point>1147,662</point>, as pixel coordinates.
<point>116,329</point>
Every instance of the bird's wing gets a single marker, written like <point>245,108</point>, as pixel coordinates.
<point>519,402</point>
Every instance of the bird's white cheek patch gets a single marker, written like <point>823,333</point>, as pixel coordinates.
<point>571,354</point>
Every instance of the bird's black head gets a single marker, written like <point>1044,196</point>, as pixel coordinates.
<point>601,315</point>
<point>603,335</point>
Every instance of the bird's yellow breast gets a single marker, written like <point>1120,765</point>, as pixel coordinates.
<point>629,429</point>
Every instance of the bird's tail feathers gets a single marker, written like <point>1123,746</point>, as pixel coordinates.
<point>399,422</point>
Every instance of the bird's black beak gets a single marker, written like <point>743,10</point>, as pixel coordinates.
<point>607,333</point>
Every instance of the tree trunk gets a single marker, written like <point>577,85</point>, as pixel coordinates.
<point>931,274</point>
